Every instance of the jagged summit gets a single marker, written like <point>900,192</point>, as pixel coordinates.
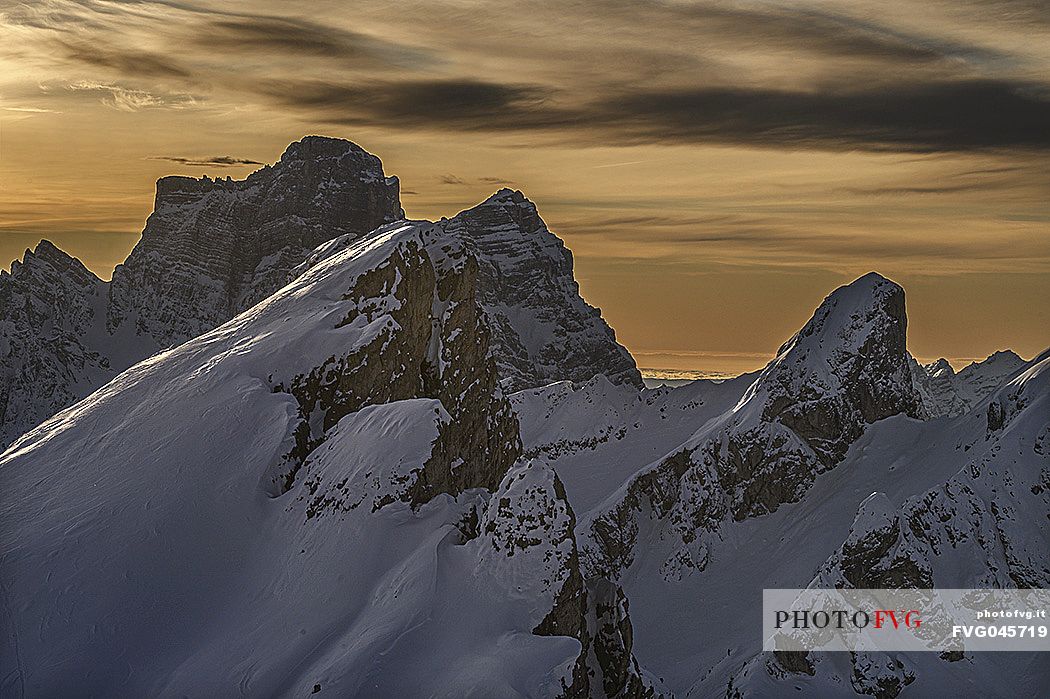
<point>46,253</point>
<point>544,330</point>
<point>504,196</point>
<point>941,367</point>
<point>1000,358</point>
<point>834,313</point>
<point>949,393</point>
<point>848,366</point>
<point>313,147</point>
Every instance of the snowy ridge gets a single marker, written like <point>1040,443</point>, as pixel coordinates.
<point>946,393</point>
<point>344,436</point>
<point>188,443</point>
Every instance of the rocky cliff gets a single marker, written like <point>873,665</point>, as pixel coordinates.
<point>212,248</point>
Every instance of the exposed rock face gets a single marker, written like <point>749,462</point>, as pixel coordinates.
<point>847,368</point>
<point>427,340</point>
<point>212,248</point>
<point>49,307</point>
<point>946,393</point>
<point>615,671</point>
<point>543,330</point>
<point>593,611</point>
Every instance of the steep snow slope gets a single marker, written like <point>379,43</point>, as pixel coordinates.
<point>320,493</point>
<point>174,563</point>
<point>597,434</point>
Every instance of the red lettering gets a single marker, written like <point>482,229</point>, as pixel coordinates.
<point>880,617</point>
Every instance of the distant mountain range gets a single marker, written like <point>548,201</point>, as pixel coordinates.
<point>300,445</point>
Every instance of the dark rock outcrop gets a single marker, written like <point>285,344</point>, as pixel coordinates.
<point>433,344</point>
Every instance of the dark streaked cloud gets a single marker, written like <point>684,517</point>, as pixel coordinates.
<point>213,161</point>
<point>896,191</point>
<point>923,117</point>
<point>864,80</point>
<point>127,62</point>
<point>905,116</point>
<point>297,37</point>
<point>475,105</point>
<point>822,32</point>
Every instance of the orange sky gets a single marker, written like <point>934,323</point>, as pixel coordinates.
<point>716,169</point>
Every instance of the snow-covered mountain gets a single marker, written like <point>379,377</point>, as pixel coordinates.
<point>213,248</point>
<point>323,494</point>
<point>329,488</point>
<point>948,393</point>
<point>847,368</point>
<point>697,498</point>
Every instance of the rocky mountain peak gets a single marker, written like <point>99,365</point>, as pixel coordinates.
<point>947,393</point>
<point>316,147</point>
<point>848,366</point>
<point>214,247</point>
<point>871,299</point>
<point>942,367</point>
<point>505,196</point>
<point>46,258</point>
<point>543,329</point>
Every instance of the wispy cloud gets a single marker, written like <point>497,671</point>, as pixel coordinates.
<point>29,110</point>
<point>128,99</point>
